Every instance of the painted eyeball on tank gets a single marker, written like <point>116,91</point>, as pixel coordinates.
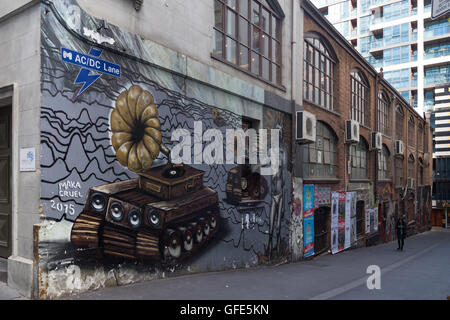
<point>136,130</point>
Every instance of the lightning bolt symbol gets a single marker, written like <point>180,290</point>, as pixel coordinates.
<point>84,75</point>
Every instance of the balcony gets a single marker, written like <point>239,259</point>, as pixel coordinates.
<point>436,79</point>
<point>442,52</point>
<point>437,30</point>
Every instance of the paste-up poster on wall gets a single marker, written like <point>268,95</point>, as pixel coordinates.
<point>375,219</point>
<point>341,221</point>
<point>322,196</point>
<point>334,222</point>
<point>368,215</point>
<point>353,218</point>
<point>348,208</point>
<point>308,220</point>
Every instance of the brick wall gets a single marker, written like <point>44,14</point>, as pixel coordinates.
<point>342,112</point>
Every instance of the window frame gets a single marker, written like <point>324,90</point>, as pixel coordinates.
<point>311,160</point>
<point>244,41</point>
<point>411,166</point>
<point>359,97</point>
<point>312,72</point>
<point>399,178</point>
<point>399,125</point>
<point>356,156</point>
<point>384,115</point>
<point>411,135</point>
<point>420,137</point>
<point>384,163</point>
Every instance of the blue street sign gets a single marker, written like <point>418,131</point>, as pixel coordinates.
<point>90,62</point>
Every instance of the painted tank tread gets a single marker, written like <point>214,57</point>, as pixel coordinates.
<point>118,242</point>
<point>147,246</point>
<point>169,260</point>
<point>85,234</point>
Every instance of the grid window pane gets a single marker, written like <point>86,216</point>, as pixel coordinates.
<point>319,158</point>
<point>244,34</point>
<point>230,46</point>
<point>318,67</point>
<point>218,43</point>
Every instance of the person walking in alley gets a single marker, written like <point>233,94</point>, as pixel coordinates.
<point>401,231</point>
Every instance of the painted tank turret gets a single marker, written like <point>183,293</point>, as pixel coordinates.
<point>165,215</point>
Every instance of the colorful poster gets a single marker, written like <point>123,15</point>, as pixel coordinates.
<point>308,220</point>
<point>353,218</point>
<point>334,222</point>
<point>322,196</point>
<point>348,208</point>
<point>341,221</point>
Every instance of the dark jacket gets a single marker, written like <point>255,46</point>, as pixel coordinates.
<point>401,228</point>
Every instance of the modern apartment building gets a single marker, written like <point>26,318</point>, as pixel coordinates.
<point>441,156</point>
<point>400,37</point>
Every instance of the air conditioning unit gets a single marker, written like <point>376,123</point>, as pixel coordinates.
<point>411,183</point>
<point>399,148</point>
<point>351,131</point>
<point>305,130</point>
<point>376,141</point>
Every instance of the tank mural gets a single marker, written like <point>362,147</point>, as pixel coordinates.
<point>111,195</point>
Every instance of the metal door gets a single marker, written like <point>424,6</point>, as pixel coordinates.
<point>5,182</point>
<point>321,227</point>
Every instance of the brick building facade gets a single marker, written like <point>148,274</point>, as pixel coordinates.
<point>396,184</point>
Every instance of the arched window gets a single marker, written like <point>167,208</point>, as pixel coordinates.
<point>318,72</point>
<point>319,158</point>
<point>399,179</point>
<point>383,164</point>
<point>411,166</point>
<point>360,97</point>
<point>411,131</point>
<point>248,34</point>
<point>384,115</point>
<point>359,159</point>
<point>420,137</point>
<point>399,118</point>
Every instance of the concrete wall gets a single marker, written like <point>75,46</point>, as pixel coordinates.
<point>187,27</point>
<point>20,67</point>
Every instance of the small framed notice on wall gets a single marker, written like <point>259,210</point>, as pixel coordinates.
<point>27,159</point>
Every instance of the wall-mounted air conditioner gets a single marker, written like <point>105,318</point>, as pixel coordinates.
<point>351,131</point>
<point>376,139</point>
<point>305,130</point>
<point>411,183</point>
<point>399,148</point>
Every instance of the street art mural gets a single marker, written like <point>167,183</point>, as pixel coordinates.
<point>166,214</point>
<point>109,190</point>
